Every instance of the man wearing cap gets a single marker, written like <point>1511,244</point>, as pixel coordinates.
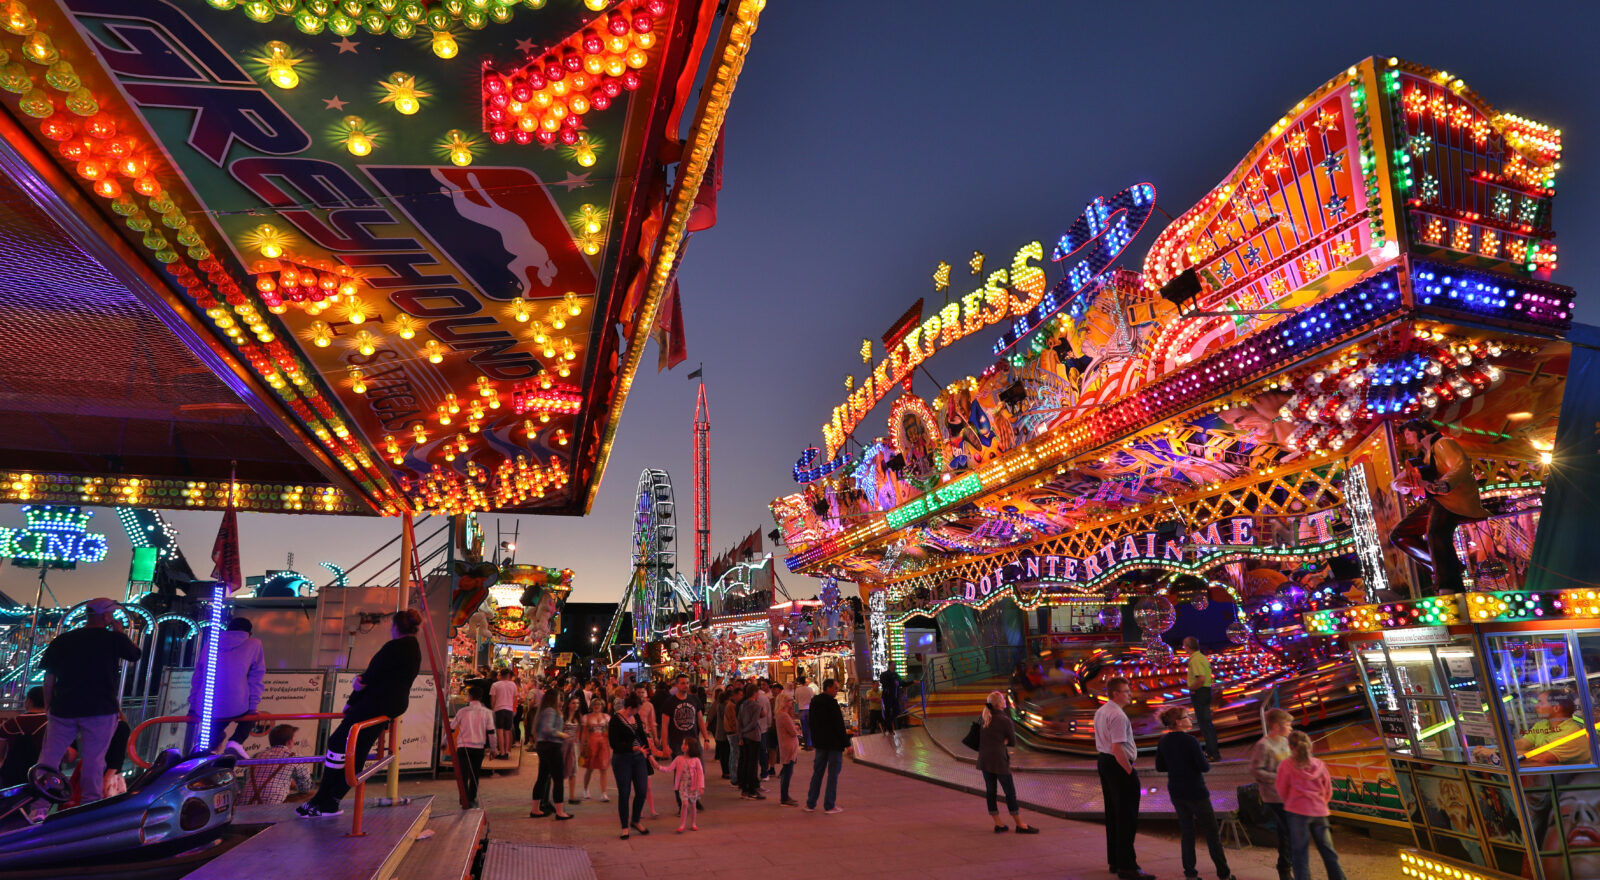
<point>82,684</point>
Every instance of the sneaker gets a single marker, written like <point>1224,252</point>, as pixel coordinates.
<point>809,809</point>
<point>309,811</point>
<point>758,797</point>
<point>236,749</point>
<point>834,811</point>
<point>789,802</point>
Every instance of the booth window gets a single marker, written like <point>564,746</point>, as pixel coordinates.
<point>1547,714</point>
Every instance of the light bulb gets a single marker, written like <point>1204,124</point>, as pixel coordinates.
<point>444,44</point>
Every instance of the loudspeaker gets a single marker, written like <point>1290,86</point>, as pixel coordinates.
<point>1183,287</point>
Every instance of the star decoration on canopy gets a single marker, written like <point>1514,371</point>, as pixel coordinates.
<point>347,45</point>
<point>1337,206</point>
<point>575,181</point>
<point>1333,164</point>
<point>1326,121</point>
<point>1252,255</point>
<point>334,103</point>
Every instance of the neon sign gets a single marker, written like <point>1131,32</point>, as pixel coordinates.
<point>55,537</point>
<point>989,304</point>
<point>935,500</point>
<point>1101,233</point>
<point>1143,547</point>
<point>805,473</point>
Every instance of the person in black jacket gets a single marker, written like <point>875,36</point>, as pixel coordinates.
<point>829,738</point>
<point>630,762</point>
<point>383,689</point>
<point>1179,755</point>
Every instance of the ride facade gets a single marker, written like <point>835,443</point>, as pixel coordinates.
<point>1211,445</point>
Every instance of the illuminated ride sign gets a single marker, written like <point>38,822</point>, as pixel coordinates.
<point>1129,551</point>
<point>54,537</point>
<point>989,304</point>
<point>1101,233</point>
<point>878,628</point>
<point>935,500</point>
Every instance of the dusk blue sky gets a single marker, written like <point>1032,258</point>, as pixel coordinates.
<point>862,149</point>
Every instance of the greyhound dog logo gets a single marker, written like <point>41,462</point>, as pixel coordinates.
<point>526,251</point>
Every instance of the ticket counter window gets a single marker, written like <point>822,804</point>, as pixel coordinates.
<point>1544,711</point>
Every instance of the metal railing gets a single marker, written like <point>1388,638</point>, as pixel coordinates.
<point>358,783</point>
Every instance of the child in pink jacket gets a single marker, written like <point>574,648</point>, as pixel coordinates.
<point>1305,786</point>
<point>688,780</point>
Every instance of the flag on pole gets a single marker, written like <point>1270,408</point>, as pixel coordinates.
<point>225,552</point>
<point>698,372</point>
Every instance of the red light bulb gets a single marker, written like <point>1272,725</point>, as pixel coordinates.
<point>618,25</point>
<point>642,24</point>
<point>555,72</point>
<point>523,137</point>
<point>593,45</point>
<point>499,135</point>
<point>630,80</point>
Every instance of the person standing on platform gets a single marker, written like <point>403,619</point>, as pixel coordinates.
<point>1441,474</point>
<point>240,682</point>
<point>1119,779</point>
<point>473,725</point>
<point>1306,787</point>
<point>802,701</point>
<point>995,735</point>
<point>82,681</point>
<point>1179,756</point>
<point>1200,684</point>
<point>1265,757</point>
<point>384,688</point>
<point>503,700</point>
<point>890,682</point>
<point>830,739</point>
<point>630,763</point>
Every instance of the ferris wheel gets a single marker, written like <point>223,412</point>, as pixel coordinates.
<point>657,592</point>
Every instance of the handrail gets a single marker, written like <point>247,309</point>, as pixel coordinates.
<point>133,738</point>
<point>358,783</point>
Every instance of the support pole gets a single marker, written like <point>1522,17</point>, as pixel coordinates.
<point>407,549</point>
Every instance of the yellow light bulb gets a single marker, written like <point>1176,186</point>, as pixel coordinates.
<point>407,104</point>
<point>282,75</point>
<point>460,156</point>
<point>444,44</point>
<point>358,144</point>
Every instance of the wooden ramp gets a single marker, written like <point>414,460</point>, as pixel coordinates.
<point>319,848</point>
<point>503,765</point>
<point>505,860</point>
<point>450,852</point>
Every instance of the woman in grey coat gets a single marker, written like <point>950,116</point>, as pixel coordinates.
<point>994,761</point>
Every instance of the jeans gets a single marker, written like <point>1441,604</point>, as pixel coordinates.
<point>723,753</point>
<point>829,761</point>
<point>805,727</point>
<point>764,764</point>
<point>1304,831</point>
<point>1285,858</point>
<point>469,763</point>
<point>632,773</point>
<point>1427,534</point>
<point>735,744</point>
<point>552,768</point>
<point>1201,698</point>
<point>334,787</point>
<point>96,732</point>
<point>1008,784</point>
<point>1120,790</point>
<point>749,772</point>
<point>784,775</point>
<point>1198,813</point>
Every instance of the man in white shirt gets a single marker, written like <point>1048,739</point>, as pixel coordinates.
<point>503,700</point>
<point>472,724</point>
<point>1119,781</point>
<point>802,701</point>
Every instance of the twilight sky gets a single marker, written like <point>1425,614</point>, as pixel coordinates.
<point>864,149</point>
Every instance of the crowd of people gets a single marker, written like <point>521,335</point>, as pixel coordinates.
<point>750,729</point>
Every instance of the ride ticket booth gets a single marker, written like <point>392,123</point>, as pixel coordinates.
<point>1487,703</point>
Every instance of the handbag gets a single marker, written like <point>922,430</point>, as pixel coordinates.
<point>974,736</point>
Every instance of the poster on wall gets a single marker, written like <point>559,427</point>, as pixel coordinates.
<point>284,692</point>
<point>416,727</point>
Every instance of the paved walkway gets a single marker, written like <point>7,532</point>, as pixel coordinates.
<point>893,828</point>
<point>1059,785</point>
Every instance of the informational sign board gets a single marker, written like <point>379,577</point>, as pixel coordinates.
<point>1412,637</point>
<point>285,692</point>
<point>417,746</point>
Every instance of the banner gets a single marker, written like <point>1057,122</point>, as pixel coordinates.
<point>285,692</point>
<point>416,726</point>
<point>1563,551</point>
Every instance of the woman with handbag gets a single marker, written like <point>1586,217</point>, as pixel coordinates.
<point>995,734</point>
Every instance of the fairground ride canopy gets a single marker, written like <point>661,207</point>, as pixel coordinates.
<point>1381,253</point>
<point>377,253</point>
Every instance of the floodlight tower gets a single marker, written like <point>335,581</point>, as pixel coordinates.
<point>702,487</point>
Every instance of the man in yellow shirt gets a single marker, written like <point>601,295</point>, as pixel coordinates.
<point>1200,683</point>
<point>1556,738</point>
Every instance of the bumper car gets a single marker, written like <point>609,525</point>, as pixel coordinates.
<point>177,805</point>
